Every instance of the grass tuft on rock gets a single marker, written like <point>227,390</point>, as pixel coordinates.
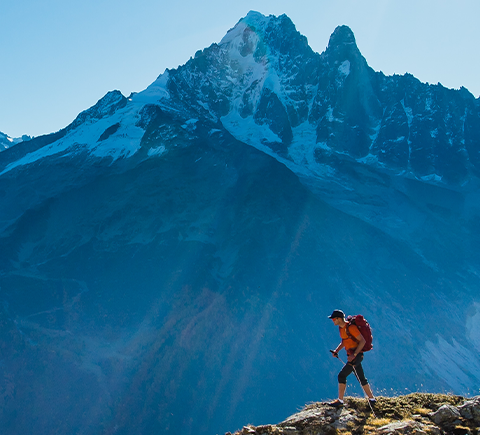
<point>402,407</point>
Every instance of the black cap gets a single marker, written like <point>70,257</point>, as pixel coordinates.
<point>337,313</point>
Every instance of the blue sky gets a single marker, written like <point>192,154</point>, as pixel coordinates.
<point>59,57</point>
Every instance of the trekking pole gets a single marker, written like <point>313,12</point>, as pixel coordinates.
<point>358,379</point>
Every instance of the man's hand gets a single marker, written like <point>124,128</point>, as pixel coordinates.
<point>334,353</point>
<point>351,357</point>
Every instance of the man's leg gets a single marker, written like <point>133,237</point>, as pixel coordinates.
<point>342,385</point>
<point>368,391</point>
<point>341,391</point>
<point>342,380</point>
<point>363,379</point>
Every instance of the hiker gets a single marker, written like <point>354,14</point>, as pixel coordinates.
<point>353,342</point>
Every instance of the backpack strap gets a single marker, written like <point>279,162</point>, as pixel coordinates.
<point>350,335</point>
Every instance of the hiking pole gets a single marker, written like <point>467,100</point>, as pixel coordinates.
<point>358,379</point>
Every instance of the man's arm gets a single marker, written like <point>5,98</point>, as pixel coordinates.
<point>361,343</point>
<point>338,349</point>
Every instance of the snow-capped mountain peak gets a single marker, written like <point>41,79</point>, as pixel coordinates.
<point>265,85</point>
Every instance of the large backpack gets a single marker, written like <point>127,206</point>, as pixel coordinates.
<point>364,327</point>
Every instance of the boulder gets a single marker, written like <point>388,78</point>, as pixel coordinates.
<point>445,415</point>
<point>470,410</point>
<point>408,427</point>
<point>345,420</point>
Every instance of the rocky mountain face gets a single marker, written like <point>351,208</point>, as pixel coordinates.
<point>169,259</point>
<point>263,73</point>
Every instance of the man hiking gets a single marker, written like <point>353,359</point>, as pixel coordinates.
<point>353,342</point>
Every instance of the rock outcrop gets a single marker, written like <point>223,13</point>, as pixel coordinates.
<point>416,413</point>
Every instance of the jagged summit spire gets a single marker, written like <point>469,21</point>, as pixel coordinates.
<point>257,19</point>
<point>342,46</point>
<point>254,17</point>
<point>277,33</point>
<point>342,35</point>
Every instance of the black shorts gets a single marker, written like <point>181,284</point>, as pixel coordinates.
<point>348,369</point>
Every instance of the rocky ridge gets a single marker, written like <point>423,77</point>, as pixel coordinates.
<point>417,413</point>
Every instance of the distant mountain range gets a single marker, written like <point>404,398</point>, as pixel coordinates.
<point>7,142</point>
<point>169,259</point>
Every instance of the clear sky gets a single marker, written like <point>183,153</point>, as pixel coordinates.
<point>60,57</point>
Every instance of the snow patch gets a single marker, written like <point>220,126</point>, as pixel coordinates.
<point>156,92</point>
<point>409,113</point>
<point>190,123</point>
<point>344,68</point>
<point>343,72</point>
<point>234,34</point>
<point>431,177</point>
<point>248,131</point>
<point>125,142</point>
<point>213,131</point>
<point>303,152</point>
<point>376,131</point>
<point>302,148</point>
<point>370,159</point>
<point>157,151</point>
<point>330,117</point>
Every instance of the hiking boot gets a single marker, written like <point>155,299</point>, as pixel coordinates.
<point>372,401</point>
<point>336,403</point>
